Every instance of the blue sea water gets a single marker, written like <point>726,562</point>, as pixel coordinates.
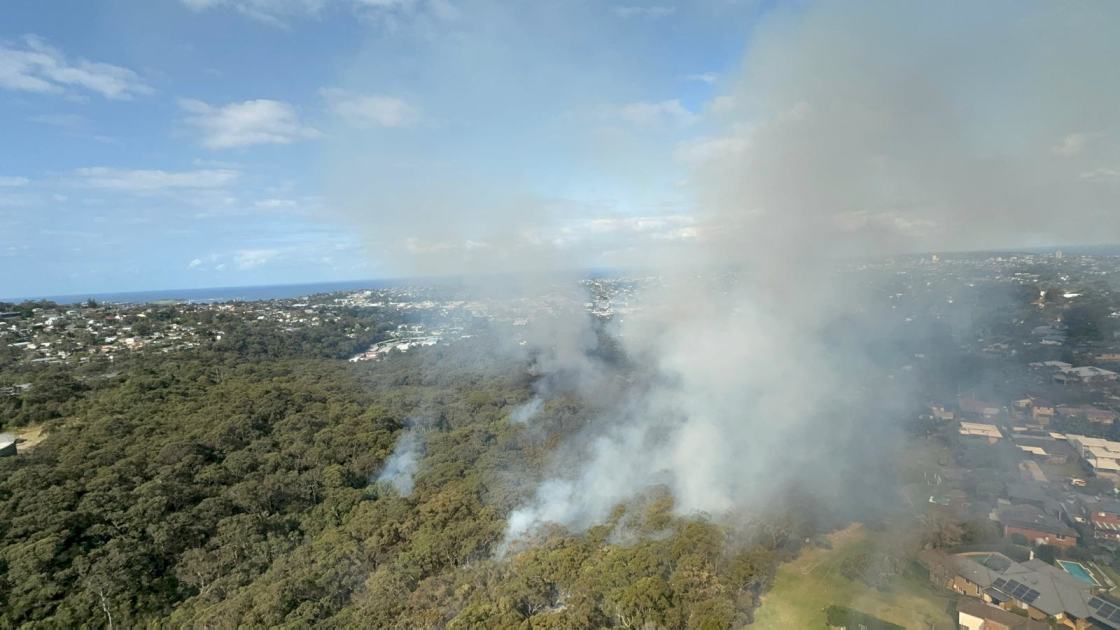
<point>218,294</point>
<point>287,291</point>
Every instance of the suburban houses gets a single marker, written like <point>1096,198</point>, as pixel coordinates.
<point>1042,591</point>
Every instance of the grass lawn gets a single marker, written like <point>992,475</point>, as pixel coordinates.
<point>804,587</point>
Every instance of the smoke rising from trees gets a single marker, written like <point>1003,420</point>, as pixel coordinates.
<point>849,131</point>
<point>401,467</point>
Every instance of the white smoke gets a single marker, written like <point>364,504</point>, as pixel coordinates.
<point>858,129</point>
<point>524,412</point>
<point>851,129</point>
<point>402,465</point>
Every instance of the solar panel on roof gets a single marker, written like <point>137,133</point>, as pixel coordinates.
<point>1115,617</point>
<point>1031,596</point>
<point>1011,585</point>
<point>1020,592</point>
<point>1096,602</point>
<point>1106,610</point>
<point>999,583</point>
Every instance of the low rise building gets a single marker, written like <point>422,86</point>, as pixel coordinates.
<point>1045,593</point>
<point>1100,455</point>
<point>976,614</point>
<point>1089,412</point>
<point>1104,516</point>
<point>1036,526</point>
<point>989,432</point>
<point>977,409</point>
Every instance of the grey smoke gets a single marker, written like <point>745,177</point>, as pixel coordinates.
<point>855,130</point>
<point>524,412</point>
<point>850,130</point>
<point>402,465</point>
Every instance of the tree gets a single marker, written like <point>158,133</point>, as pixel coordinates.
<point>1047,553</point>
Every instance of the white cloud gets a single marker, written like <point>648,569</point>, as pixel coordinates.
<point>12,182</point>
<point>649,114</point>
<point>704,77</point>
<point>276,204</point>
<point>252,258</point>
<point>64,121</point>
<point>708,149</point>
<point>194,264</point>
<point>1103,174</point>
<point>651,12</point>
<point>32,65</point>
<point>280,12</point>
<point>154,180</point>
<point>371,109</point>
<point>274,12</point>
<point>1071,144</point>
<point>246,123</point>
<point>386,4</point>
<point>625,231</point>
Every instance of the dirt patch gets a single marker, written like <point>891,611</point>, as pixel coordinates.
<point>29,437</point>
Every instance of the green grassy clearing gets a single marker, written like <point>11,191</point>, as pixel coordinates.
<point>805,587</point>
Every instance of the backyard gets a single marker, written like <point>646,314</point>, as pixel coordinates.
<point>805,587</point>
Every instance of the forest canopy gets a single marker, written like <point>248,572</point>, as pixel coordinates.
<point>237,484</point>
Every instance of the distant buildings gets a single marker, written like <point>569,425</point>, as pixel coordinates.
<point>1036,526</point>
<point>988,432</point>
<point>1089,412</point>
<point>1088,374</point>
<point>1104,516</point>
<point>1100,455</point>
<point>978,410</point>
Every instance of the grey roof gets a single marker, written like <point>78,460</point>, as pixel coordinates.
<point>1030,517</point>
<point>1057,591</point>
<point>1023,492</point>
<point>970,568</point>
<point>1103,504</point>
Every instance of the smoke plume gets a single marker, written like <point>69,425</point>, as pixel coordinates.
<point>851,130</point>
<point>401,466</point>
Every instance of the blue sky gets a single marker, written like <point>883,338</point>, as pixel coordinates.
<point>148,144</point>
<point>189,143</point>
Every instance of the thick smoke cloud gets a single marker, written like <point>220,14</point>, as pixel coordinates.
<point>851,130</point>
<point>878,127</point>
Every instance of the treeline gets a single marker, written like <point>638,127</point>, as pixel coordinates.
<point>214,489</point>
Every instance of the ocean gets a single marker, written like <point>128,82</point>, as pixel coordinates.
<point>286,291</point>
<point>217,294</point>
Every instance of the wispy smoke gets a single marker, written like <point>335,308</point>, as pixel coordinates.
<point>525,412</point>
<point>851,130</point>
<point>401,467</point>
